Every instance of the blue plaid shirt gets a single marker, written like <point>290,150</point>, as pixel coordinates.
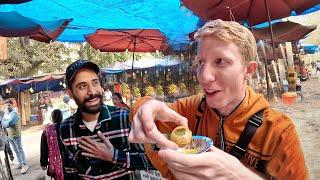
<point>114,123</point>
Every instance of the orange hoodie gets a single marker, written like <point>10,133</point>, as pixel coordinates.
<point>274,149</point>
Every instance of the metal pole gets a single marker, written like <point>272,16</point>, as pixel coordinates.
<point>272,43</point>
<point>131,85</point>
<point>266,67</point>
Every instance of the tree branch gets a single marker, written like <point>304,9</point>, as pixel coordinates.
<point>30,70</point>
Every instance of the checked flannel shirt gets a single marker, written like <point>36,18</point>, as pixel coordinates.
<point>113,122</point>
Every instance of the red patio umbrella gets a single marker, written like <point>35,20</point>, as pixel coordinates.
<point>13,1</point>
<point>135,40</point>
<point>283,32</point>
<point>254,11</point>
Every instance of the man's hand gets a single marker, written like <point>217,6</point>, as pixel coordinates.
<point>98,150</point>
<point>214,164</point>
<point>144,129</point>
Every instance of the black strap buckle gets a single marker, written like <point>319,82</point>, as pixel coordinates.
<point>237,152</point>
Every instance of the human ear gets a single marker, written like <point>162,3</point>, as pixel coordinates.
<point>69,91</point>
<point>251,69</point>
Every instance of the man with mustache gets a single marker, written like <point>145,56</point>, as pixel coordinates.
<point>95,144</point>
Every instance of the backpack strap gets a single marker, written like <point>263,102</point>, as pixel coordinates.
<point>239,149</point>
<point>199,113</point>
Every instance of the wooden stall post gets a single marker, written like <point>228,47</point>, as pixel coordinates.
<point>25,110</point>
<point>292,75</point>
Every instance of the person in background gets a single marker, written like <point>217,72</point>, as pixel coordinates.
<point>96,136</point>
<point>47,115</point>
<point>72,106</point>
<point>4,130</point>
<point>317,67</point>
<point>251,139</point>
<point>11,121</point>
<point>118,102</point>
<point>51,147</point>
<point>107,95</point>
<point>42,108</point>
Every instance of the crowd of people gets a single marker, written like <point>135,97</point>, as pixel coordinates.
<point>99,141</point>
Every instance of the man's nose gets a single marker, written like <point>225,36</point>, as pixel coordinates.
<point>90,89</point>
<point>206,74</point>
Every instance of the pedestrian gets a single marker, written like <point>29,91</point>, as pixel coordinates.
<point>47,115</point>
<point>51,146</point>
<point>251,139</point>
<point>118,101</point>
<point>3,135</point>
<point>11,121</point>
<point>42,108</point>
<point>72,106</point>
<point>107,95</point>
<point>95,137</point>
<point>318,67</point>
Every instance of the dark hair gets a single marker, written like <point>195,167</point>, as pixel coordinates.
<point>57,116</point>
<point>9,101</point>
<point>119,96</point>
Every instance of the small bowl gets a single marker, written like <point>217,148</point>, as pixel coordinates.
<point>199,144</point>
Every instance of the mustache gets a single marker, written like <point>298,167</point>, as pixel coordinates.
<point>92,97</point>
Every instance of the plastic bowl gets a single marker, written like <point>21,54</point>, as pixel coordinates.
<point>198,145</point>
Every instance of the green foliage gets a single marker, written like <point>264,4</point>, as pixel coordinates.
<point>26,57</point>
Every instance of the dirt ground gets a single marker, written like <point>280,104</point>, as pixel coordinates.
<point>305,113</point>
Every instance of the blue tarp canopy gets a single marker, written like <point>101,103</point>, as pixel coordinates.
<point>89,15</point>
<point>310,48</point>
<point>38,84</point>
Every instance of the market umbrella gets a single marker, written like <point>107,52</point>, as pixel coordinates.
<point>283,32</point>
<point>135,40</point>
<point>253,11</point>
<point>13,24</point>
<point>13,1</point>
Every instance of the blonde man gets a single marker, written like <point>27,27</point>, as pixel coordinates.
<point>225,61</point>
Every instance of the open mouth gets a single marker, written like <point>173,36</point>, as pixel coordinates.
<point>211,92</point>
<point>92,100</point>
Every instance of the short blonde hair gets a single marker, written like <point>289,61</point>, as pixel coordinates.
<point>230,31</point>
